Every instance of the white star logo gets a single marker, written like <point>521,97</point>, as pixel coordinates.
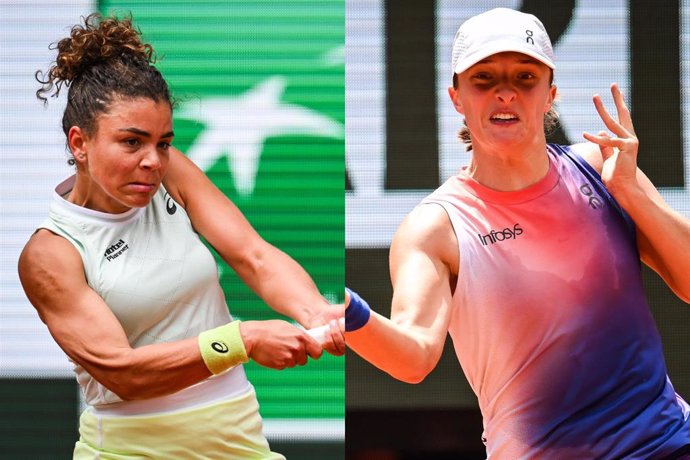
<point>238,126</point>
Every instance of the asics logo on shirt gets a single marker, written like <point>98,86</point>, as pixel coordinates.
<point>115,250</point>
<point>496,236</point>
<point>170,205</point>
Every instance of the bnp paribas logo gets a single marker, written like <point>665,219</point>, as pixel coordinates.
<point>259,86</point>
<point>236,127</point>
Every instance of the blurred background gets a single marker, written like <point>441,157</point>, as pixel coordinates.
<point>260,92</point>
<point>401,144</point>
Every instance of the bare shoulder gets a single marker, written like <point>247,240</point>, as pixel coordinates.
<point>591,153</point>
<point>174,175</point>
<point>189,185</point>
<point>182,176</point>
<point>424,221</point>
<point>47,265</point>
<point>427,229</point>
<point>46,248</point>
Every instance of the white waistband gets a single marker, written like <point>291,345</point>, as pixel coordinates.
<point>225,386</point>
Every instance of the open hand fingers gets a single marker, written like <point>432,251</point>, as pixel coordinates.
<point>623,138</point>
<point>612,124</point>
<point>622,127</point>
<point>624,117</point>
<point>605,141</point>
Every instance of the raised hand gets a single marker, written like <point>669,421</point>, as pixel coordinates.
<point>278,344</point>
<point>619,149</point>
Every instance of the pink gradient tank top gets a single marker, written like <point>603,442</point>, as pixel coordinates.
<point>550,322</point>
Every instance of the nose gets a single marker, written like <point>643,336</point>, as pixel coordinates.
<point>151,159</point>
<point>505,92</point>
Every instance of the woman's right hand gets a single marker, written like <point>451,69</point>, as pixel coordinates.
<point>278,344</point>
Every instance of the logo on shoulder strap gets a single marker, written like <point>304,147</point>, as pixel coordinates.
<point>170,205</point>
<point>594,201</point>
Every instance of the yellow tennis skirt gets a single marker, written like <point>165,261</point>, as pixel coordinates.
<point>230,429</point>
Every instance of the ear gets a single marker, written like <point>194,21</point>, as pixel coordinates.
<point>455,99</point>
<point>77,141</point>
<point>553,93</point>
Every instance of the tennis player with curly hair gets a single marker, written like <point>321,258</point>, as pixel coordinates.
<point>120,275</point>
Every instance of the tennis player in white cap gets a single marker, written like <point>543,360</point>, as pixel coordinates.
<point>530,258</point>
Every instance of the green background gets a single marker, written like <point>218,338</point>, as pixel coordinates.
<point>225,48</point>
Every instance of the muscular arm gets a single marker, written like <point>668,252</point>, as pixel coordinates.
<point>423,260</point>
<point>278,279</point>
<point>52,275</point>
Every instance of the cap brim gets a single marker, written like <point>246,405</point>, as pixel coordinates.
<point>501,47</point>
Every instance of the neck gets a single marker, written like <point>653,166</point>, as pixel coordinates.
<point>87,194</point>
<point>509,169</point>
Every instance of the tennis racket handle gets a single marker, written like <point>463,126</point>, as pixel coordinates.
<point>319,333</point>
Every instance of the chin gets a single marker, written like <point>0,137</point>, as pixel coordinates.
<point>137,201</point>
<point>507,142</point>
<point>140,203</point>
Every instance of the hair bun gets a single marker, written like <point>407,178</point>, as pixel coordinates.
<point>96,41</point>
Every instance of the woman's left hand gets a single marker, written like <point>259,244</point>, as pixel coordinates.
<point>333,316</point>
<point>618,151</point>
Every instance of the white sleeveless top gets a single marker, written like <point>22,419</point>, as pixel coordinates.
<point>155,274</point>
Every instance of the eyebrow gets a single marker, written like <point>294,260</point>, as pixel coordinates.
<point>143,133</point>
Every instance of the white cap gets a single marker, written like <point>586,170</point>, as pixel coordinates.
<point>497,31</point>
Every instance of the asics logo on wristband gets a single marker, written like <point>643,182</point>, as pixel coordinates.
<point>220,347</point>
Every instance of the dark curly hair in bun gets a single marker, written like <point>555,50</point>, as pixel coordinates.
<point>103,59</point>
